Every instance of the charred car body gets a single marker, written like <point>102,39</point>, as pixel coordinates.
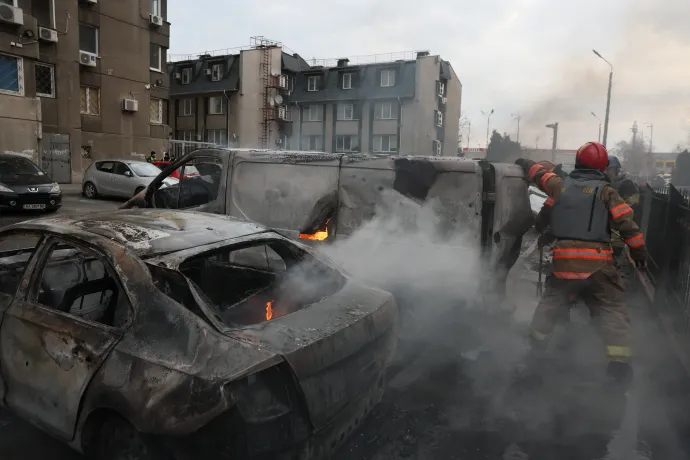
<point>322,196</point>
<point>167,331</point>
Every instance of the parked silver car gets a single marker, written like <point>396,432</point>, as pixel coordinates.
<point>119,178</point>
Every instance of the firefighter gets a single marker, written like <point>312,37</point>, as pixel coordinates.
<point>628,190</point>
<point>583,209</point>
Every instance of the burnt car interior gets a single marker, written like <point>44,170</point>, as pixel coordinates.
<point>193,190</point>
<point>13,262</point>
<point>78,282</point>
<point>258,282</point>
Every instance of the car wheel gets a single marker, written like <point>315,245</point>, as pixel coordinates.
<point>90,190</point>
<point>119,440</point>
<point>138,190</point>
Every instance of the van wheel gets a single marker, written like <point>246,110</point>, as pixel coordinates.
<point>90,191</point>
<point>119,440</point>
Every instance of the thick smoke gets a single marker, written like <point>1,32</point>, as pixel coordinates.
<point>649,81</point>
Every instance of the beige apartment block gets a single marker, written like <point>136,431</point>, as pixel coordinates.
<point>263,97</point>
<point>82,80</point>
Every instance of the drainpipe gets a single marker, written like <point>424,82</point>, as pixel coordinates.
<point>299,137</point>
<point>227,117</point>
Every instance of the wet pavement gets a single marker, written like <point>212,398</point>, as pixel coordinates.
<point>453,390</point>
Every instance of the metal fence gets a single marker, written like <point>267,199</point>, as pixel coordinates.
<point>179,148</point>
<point>664,217</point>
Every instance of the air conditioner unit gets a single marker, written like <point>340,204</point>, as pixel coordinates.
<point>11,14</point>
<point>444,100</point>
<point>156,21</point>
<point>177,75</point>
<point>130,105</point>
<point>283,81</point>
<point>47,35</point>
<point>208,71</point>
<point>87,59</point>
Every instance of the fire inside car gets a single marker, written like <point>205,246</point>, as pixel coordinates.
<point>260,282</point>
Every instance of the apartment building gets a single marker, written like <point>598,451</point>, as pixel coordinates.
<point>263,97</point>
<point>81,80</point>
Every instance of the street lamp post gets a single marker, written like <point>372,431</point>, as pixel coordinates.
<point>595,116</point>
<point>469,131</point>
<point>651,136</point>
<point>554,144</point>
<point>608,98</point>
<point>517,117</point>
<point>488,124</point>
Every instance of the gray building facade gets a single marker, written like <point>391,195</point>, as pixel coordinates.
<point>262,97</point>
<point>82,80</point>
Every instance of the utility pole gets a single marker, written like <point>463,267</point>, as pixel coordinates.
<point>651,137</point>
<point>517,117</point>
<point>608,98</point>
<point>469,131</point>
<point>488,124</point>
<point>536,143</point>
<point>634,138</point>
<point>554,144</point>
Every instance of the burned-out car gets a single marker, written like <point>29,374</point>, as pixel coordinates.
<point>165,334</point>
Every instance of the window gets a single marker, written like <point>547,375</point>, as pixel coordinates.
<point>388,77</point>
<point>252,284</point>
<point>438,116</point>
<point>192,190</point>
<point>187,136</point>
<point>15,252</point>
<point>88,38</point>
<point>9,2</point>
<point>187,105</point>
<point>186,75</point>
<point>85,151</point>
<point>11,75</point>
<point>313,112</point>
<point>441,88</point>
<point>122,169</point>
<point>386,143</point>
<point>385,111</point>
<point>216,72</point>
<point>313,83</point>
<point>217,105</point>
<point>346,111</point>
<point>156,8</point>
<point>105,166</point>
<point>347,81</point>
<point>45,80</point>
<point>43,11</point>
<point>140,169</point>
<point>314,143</point>
<point>90,100</point>
<point>77,282</point>
<point>156,58</point>
<point>437,148</point>
<point>217,136</point>
<point>155,111</point>
<point>349,143</point>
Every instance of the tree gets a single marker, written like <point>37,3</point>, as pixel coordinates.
<point>636,158</point>
<point>681,172</point>
<point>502,148</point>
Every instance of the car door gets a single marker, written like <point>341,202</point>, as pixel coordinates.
<point>16,253</point>
<point>123,180</point>
<point>104,177</point>
<point>58,331</point>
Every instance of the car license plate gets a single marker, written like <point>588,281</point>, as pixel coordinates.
<point>34,206</point>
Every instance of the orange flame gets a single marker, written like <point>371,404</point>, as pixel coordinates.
<point>320,235</point>
<point>269,310</point>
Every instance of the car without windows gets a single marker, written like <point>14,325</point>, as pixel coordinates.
<point>178,332</point>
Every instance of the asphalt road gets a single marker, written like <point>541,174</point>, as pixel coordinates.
<point>452,394</point>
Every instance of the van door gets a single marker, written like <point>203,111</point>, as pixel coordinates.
<point>281,190</point>
<point>450,189</point>
<point>204,192</point>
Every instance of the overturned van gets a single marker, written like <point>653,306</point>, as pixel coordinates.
<point>324,197</point>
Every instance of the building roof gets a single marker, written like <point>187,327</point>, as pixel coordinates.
<point>202,83</point>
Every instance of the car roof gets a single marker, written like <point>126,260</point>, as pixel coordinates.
<point>12,156</point>
<point>148,232</point>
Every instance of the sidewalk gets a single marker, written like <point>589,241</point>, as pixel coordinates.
<point>71,189</point>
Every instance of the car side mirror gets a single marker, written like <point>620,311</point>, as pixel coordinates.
<point>128,173</point>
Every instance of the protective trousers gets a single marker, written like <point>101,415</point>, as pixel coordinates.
<point>604,296</point>
<point>625,268</point>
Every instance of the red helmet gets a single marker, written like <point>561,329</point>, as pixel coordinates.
<point>592,155</point>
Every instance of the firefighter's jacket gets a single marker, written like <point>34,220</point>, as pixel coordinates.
<point>628,190</point>
<point>576,258</point>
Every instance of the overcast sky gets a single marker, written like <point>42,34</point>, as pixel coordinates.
<point>527,57</point>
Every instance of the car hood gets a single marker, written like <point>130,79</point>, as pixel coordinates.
<point>338,347</point>
<point>25,179</point>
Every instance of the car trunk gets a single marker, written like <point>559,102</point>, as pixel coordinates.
<point>338,347</point>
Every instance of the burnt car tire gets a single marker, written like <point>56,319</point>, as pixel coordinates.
<point>119,440</point>
<point>89,190</point>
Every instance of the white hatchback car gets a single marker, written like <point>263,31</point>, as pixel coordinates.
<point>119,178</point>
